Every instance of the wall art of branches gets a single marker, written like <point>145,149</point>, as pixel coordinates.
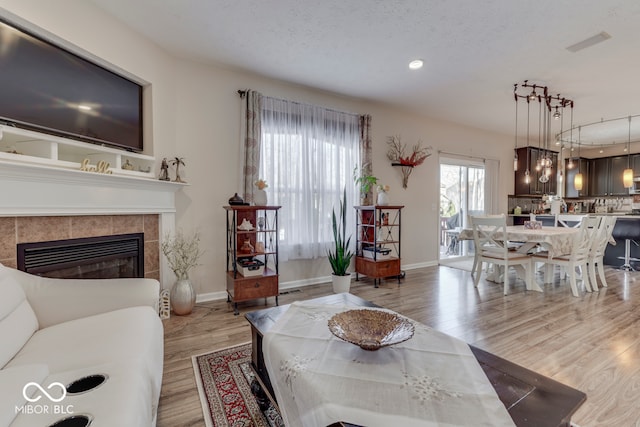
<point>407,160</point>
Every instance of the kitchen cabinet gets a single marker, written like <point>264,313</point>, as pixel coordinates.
<point>635,164</point>
<point>535,186</point>
<point>581,165</point>
<point>605,176</point>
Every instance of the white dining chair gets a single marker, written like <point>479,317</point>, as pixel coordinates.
<point>491,246</point>
<point>568,220</point>
<point>596,252</point>
<point>576,259</point>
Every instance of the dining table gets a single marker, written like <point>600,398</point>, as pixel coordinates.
<point>555,240</point>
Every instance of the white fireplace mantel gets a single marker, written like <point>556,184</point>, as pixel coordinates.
<point>42,190</point>
<point>39,190</point>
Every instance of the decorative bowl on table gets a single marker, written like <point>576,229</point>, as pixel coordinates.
<point>371,329</point>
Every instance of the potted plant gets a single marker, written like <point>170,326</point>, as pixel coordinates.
<point>340,255</point>
<point>182,254</point>
<point>365,181</point>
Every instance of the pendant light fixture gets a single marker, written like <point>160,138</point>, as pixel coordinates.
<point>577,181</point>
<point>627,176</point>
<point>553,106</point>
<point>515,150</point>
<point>570,165</point>
<point>527,174</point>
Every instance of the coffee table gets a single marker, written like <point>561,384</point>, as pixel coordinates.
<point>530,398</point>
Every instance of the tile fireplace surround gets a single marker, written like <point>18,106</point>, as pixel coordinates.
<point>40,203</point>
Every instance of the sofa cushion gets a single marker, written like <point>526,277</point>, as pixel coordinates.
<point>17,320</point>
<point>132,336</point>
<point>12,384</point>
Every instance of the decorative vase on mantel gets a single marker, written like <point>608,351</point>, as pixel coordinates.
<point>183,297</point>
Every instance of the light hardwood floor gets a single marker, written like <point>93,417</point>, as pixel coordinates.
<point>591,343</point>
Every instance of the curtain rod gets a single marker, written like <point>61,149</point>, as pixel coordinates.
<point>242,93</point>
<point>467,156</point>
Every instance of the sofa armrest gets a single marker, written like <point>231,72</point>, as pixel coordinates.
<point>59,300</point>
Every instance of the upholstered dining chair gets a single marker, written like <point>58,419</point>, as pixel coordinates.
<point>491,246</point>
<point>576,259</point>
<point>599,243</point>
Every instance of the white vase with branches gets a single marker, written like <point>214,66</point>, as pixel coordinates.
<point>182,254</point>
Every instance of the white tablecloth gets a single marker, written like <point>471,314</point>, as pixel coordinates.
<point>432,379</point>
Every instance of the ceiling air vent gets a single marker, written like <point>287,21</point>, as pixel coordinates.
<point>598,38</point>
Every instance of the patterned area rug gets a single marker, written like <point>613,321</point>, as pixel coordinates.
<point>230,392</point>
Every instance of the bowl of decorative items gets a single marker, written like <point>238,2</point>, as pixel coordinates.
<point>371,329</point>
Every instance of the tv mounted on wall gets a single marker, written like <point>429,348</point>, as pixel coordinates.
<point>46,88</point>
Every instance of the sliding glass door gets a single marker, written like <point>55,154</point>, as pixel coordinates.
<point>462,193</point>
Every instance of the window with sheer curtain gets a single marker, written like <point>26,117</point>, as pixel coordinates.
<point>307,156</point>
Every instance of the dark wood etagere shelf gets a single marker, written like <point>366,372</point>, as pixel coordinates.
<point>378,242</point>
<point>261,250</point>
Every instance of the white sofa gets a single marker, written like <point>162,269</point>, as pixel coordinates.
<point>60,330</point>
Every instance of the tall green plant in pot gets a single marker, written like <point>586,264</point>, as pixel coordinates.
<point>340,255</point>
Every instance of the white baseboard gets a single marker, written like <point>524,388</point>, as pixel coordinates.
<point>215,296</point>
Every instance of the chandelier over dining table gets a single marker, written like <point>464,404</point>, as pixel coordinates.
<point>550,108</point>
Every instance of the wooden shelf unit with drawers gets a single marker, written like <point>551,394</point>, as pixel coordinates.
<point>378,242</point>
<point>263,241</point>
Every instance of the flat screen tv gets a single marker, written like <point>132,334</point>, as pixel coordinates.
<point>46,88</point>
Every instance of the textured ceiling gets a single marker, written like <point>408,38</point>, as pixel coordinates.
<point>474,51</point>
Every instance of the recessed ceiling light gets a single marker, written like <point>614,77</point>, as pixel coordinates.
<point>416,64</point>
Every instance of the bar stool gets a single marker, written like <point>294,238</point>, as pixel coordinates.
<point>630,232</point>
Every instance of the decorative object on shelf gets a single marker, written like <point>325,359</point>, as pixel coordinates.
<point>259,247</point>
<point>165,304</point>
<point>371,329</point>
<point>182,254</point>
<point>383,196</point>
<point>177,161</point>
<point>247,247</point>
<point>144,170</point>
<point>246,225</point>
<point>385,218</point>
<point>261,223</point>
<point>340,255</point>
<point>260,195</point>
<point>128,166</point>
<point>101,167</point>
<point>397,155</point>
<point>164,170</point>
<point>236,200</point>
<point>365,181</point>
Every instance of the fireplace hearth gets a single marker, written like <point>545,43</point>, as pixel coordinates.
<point>102,257</point>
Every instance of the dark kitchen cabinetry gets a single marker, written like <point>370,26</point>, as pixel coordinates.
<point>535,186</point>
<point>605,176</point>
<point>635,164</point>
<point>579,165</point>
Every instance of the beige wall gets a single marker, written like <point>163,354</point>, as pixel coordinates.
<point>196,115</point>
